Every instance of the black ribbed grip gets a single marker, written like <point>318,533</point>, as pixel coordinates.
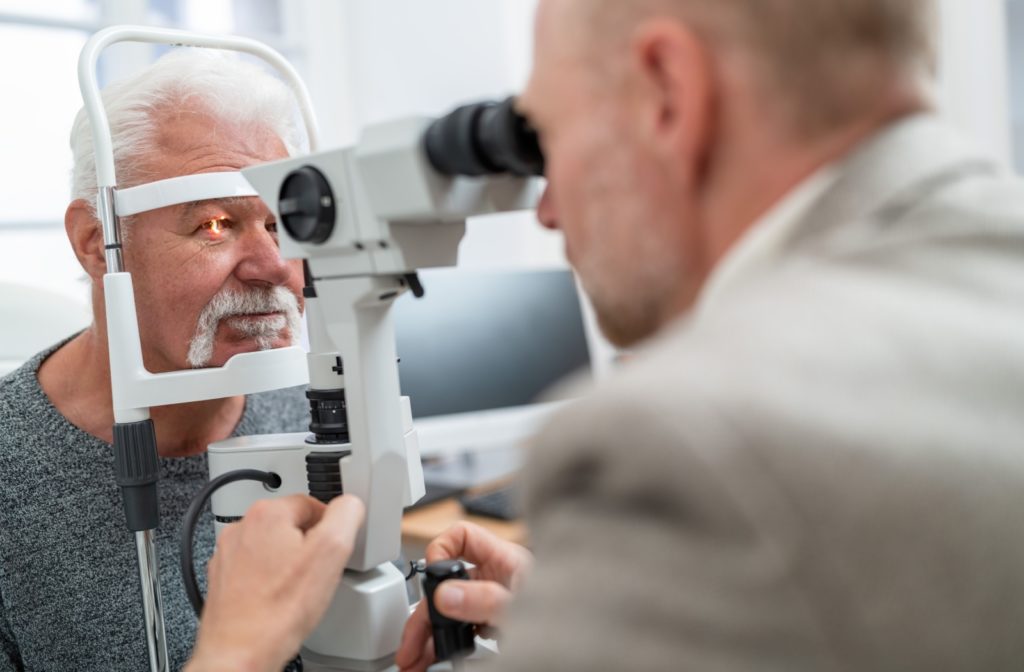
<point>135,457</point>
<point>452,639</point>
<point>137,470</point>
<point>323,474</point>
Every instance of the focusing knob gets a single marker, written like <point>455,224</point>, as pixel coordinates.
<point>452,639</point>
<point>306,205</point>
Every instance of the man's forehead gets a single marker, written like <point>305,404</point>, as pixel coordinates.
<point>191,144</point>
<point>198,157</point>
<point>560,22</point>
<point>551,9</point>
<point>561,40</point>
<point>560,65</point>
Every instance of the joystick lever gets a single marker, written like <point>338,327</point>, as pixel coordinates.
<point>452,639</point>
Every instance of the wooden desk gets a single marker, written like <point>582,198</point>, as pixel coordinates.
<point>421,526</point>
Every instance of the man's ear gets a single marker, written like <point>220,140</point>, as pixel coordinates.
<point>86,239</point>
<point>680,84</point>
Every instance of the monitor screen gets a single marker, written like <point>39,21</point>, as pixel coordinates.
<point>487,340</point>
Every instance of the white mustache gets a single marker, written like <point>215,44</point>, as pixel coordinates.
<point>233,306</point>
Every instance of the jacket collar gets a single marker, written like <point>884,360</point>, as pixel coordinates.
<point>878,181</point>
<point>888,175</point>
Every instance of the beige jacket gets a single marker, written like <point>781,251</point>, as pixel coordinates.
<point>823,470</point>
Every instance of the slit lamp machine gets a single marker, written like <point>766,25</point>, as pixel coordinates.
<point>364,219</point>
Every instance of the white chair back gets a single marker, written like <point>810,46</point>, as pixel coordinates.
<point>32,319</point>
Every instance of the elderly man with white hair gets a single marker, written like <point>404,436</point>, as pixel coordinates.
<point>209,283</point>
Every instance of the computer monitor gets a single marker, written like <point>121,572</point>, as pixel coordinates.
<point>479,349</point>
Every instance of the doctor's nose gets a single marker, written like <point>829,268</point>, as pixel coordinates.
<point>546,214</point>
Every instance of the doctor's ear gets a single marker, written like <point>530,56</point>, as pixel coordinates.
<point>86,238</point>
<point>677,79</point>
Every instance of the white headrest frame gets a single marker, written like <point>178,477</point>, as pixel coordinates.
<point>178,190</point>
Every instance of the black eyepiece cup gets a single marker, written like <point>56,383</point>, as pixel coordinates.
<point>486,138</point>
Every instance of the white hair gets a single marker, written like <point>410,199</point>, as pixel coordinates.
<point>218,82</point>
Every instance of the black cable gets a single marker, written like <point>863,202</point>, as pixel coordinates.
<point>416,567</point>
<point>188,531</point>
<point>188,527</point>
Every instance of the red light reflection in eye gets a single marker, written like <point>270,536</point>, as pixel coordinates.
<point>215,226</point>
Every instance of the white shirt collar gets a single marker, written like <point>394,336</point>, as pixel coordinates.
<point>764,241</point>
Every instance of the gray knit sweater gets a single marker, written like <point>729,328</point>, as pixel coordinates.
<point>69,586</point>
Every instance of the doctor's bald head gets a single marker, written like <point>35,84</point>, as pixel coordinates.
<point>669,127</point>
<point>820,61</point>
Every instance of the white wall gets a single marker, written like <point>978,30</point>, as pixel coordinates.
<point>1015,23</point>
<point>974,86</point>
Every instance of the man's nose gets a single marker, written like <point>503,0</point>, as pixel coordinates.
<point>261,260</point>
<point>546,210</point>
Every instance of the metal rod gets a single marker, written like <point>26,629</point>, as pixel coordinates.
<point>111,229</point>
<point>152,603</point>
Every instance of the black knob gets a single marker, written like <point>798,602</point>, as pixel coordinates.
<point>306,206</point>
<point>328,411</point>
<point>452,639</point>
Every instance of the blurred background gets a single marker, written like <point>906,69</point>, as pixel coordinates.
<point>366,61</point>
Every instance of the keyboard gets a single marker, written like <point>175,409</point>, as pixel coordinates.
<point>502,503</point>
<point>435,493</point>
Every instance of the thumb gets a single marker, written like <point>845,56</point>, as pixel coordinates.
<point>335,534</point>
<point>479,602</point>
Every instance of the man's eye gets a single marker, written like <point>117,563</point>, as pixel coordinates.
<point>272,227</point>
<point>216,227</point>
